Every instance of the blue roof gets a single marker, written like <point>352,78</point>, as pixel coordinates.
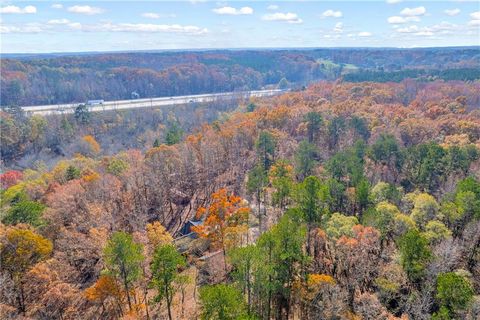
<point>195,223</point>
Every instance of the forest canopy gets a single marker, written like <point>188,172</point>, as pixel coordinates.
<point>340,201</point>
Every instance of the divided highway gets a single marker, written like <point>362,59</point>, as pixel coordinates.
<point>149,103</point>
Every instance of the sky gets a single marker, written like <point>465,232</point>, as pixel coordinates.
<point>80,26</point>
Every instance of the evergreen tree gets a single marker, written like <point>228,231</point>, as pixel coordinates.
<point>245,262</point>
<point>25,211</point>
<point>174,134</point>
<point>415,254</point>
<point>266,145</point>
<point>222,302</point>
<point>314,122</point>
<point>165,264</point>
<point>82,115</point>
<point>454,292</point>
<point>257,182</point>
<point>312,199</point>
<point>72,173</point>
<point>123,258</point>
<point>306,158</point>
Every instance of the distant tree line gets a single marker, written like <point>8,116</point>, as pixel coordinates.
<point>463,74</point>
<point>45,79</point>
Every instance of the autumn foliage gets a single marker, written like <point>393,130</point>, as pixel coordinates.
<point>10,178</point>
<point>225,220</point>
<point>370,213</point>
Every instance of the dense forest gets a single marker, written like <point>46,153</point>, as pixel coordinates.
<point>463,74</point>
<point>341,201</point>
<point>52,79</point>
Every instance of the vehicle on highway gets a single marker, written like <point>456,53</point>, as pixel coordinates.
<point>93,105</point>
<point>95,102</point>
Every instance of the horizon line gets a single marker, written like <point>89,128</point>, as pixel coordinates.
<point>228,49</point>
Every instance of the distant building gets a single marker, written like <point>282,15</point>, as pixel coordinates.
<point>187,227</point>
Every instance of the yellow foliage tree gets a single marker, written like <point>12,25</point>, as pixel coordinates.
<point>158,235</point>
<point>315,283</point>
<point>20,249</point>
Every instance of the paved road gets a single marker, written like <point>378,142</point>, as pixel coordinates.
<point>148,103</point>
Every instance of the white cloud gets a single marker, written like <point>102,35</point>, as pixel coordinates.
<point>413,12</point>
<point>28,28</point>
<point>286,17</point>
<point>402,20</point>
<point>233,11</point>
<point>393,1</point>
<point>151,15</point>
<point>329,36</point>
<point>332,14</point>
<point>409,29</point>
<point>364,34</point>
<point>452,12</point>
<point>58,21</point>
<point>424,33</point>
<point>88,10</point>
<point>104,27</point>
<point>147,27</point>
<point>338,27</point>
<point>396,20</point>
<point>272,7</point>
<point>474,23</point>
<point>75,25</point>
<point>18,10</point>
<point>441,28</point>
<point>414,18</point>
<point>444,26</point>
<point>475,19</point>
<point>57,6</point>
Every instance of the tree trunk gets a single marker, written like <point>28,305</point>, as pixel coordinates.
<point>21,300</point>
<point>125,283</point>
<point>169,302</point>
<point>309,230</point>
<point>259,212</point>
<point>248,287</point>
<point>146,302</point>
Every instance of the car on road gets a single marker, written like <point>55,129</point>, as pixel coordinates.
<point>95,102</point>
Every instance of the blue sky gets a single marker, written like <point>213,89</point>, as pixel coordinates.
<point>60,26</point>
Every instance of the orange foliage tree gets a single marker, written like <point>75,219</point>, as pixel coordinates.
<point>92,144</point>
<point>108,293</point>
<point>225,220</point>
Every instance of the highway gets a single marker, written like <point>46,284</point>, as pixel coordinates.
<point>149,103</point>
